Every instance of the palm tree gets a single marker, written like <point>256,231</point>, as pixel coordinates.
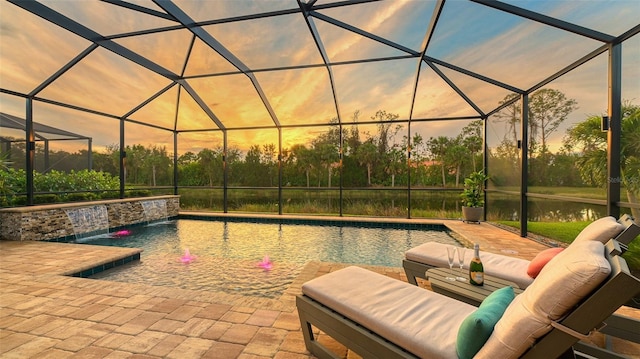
<point>367,154</point>
<point>588,137</point>
<point>396,163</point>
<point>456,155</point>
<point>303,159</point>
<point>206,158</point>
<point>472,140</point>
<point>438,149</point>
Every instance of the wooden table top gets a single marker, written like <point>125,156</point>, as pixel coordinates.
<point>464,291</point>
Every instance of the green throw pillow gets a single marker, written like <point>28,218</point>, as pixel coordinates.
<point>478,326</point>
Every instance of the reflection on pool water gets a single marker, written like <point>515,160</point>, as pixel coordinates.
<point>228,254</point>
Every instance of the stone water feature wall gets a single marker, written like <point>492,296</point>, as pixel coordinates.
<point>47,222</point>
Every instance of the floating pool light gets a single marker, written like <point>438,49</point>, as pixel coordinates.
<point>266,263</point>
<point>187,257</point>
<point>121,233</point>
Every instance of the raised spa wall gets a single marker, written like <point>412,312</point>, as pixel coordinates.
<point>51,222</point>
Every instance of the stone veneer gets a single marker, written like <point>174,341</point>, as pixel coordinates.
<point>47,222</point>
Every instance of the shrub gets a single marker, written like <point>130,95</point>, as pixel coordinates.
<point>80,196</point>
<point>13,186</point>
<point>46,198</point>
<point>137,193</point>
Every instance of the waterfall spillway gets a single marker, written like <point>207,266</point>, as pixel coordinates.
<point>155,210</point>
<point>89,221</point>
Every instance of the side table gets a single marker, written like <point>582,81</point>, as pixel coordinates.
<point>463,291</point>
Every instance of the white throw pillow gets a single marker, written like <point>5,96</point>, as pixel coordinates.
<point>601,230</point>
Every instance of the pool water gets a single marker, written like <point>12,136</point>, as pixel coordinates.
<point>228,254</point>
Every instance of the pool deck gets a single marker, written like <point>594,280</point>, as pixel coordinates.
<point>45,314</point>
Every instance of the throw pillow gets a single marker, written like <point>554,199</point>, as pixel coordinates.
<point>478,326</point>
<point>536,265</point>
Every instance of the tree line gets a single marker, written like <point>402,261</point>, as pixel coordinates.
<point>385,158</point>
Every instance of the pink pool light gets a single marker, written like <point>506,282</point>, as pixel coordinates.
<point>121,233</point>
<point>266,263</point>
<point>187,257</point>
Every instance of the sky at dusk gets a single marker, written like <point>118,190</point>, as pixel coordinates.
<point>488,42</point>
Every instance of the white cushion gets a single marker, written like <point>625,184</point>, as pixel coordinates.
<point>509,268</point>
<point>420,321</point>
<point>601,230</point>
<point>561,285</point>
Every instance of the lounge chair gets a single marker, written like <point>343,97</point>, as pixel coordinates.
<point>380,317</point>
<point>432,254</point>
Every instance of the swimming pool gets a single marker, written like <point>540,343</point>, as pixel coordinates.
<point>228,254</point>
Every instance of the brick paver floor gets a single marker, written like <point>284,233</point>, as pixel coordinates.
<point>44,314</point>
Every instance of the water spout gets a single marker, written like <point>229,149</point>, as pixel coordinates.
<point>89,221</point>
<point>155,210</point>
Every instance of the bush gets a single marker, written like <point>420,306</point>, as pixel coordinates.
<point>80,196</point>
<point>85,180</point>
<point>13,186</point>
<point>137,193</point>
<point>110,195</point>
<point>46,198</point>
<point>19,201</point>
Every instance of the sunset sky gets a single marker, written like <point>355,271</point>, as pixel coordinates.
<point>489,42</point>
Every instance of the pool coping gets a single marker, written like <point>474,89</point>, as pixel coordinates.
<point>371,222</point>
<point>109,264</point>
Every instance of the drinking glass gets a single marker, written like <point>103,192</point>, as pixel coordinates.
<point>461,252</point>
<point>451,251</point>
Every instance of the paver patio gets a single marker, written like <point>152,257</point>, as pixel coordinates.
<point>44,314</point>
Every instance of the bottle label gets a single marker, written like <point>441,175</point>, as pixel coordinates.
<point>477,278</point>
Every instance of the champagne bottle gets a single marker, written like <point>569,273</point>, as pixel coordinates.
<point>476,270</point>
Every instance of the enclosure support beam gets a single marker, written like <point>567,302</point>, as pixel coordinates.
<point>325,59</point>
<point>279,170</point>
<point>90,154</point>
<point>225,174</point>
<point>614,134</point>
<point>409,144</point>
<point>340,169</point>
<point>182,17</point>
<point>485,161</point>
<point>30,150</point>
<point>46,156</point>
<point>423,50</point>
<point>123,157</point>
<point>524,164</point>
<point>547,20</point>
<point>175,163</point>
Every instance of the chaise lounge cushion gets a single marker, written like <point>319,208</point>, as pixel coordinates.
<point>477,327</point>
<point>562,284</point>
<point>420,321</point>
<point>601,230</point>
<point>497,265</point>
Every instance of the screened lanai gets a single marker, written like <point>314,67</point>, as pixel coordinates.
<point>334,107</point>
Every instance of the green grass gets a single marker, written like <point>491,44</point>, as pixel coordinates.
<point>560,231</point>
<point>580,192</point>
<point>566,231</point>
